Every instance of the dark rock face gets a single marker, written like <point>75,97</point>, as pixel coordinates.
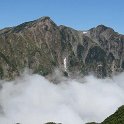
<point>41,45</point>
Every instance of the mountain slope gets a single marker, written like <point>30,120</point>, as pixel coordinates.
<point>116,118</point>
<point>42,46</point>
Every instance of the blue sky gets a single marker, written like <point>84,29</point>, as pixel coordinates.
<point>78,14</point>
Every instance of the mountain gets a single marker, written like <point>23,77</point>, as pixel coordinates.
<point>42,46</point>
<point>116,118</point>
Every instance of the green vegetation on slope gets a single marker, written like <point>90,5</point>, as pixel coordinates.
<point>116,118</point>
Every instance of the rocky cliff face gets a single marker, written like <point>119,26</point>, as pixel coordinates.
<point>42,46</point>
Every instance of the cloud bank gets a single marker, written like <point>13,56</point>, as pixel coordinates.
<point>32,99</point>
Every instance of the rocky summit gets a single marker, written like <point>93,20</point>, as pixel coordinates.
<point>42,46</point>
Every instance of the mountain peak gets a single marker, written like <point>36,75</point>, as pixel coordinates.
<point>101,26</point>
<point>42,46</point>
<point>100,29</point>
<point>44,18</point>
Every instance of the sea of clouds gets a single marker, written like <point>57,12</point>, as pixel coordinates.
<point>32,99</point>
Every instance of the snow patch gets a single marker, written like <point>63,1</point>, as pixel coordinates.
<point>65,64</point>
<point>84,32</point>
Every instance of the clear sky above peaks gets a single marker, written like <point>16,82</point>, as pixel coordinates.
<point>78,14</point>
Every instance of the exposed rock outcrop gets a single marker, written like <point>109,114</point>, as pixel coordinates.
<point>41,45</point>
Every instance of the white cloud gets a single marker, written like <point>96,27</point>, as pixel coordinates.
<point>32,99</point>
